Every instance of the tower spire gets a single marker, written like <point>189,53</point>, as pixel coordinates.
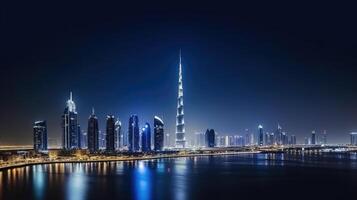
<point>92,110</point>
<point>70,95</point>
<point>180,58</point>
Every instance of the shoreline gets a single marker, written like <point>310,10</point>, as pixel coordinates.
<point>122,159</point>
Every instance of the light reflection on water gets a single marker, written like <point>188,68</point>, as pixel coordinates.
<point>180,178</point>
<point>39,181</point>
<point>151,179</point>
<point>77,182</point>
<point>142,181</point>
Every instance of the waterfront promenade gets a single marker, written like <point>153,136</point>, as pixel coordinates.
<point>85,159</point>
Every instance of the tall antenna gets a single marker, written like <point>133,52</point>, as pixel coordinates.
<point>180,57</point>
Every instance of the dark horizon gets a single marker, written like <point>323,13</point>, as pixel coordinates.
<point>243,65</point>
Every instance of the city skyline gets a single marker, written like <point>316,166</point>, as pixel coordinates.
<point>145,100</point>
<point>71,106</point>
<point>240,70</point>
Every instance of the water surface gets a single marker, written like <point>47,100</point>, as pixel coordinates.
<point>249,176</point>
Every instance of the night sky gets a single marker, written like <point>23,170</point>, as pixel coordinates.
<point>243,64</point>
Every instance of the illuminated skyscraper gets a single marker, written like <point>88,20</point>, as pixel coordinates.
<point>247,138</point>
<point>133,133</point>
<point>84,140</point>
<point>353,138</point>
<point>271,139</point>
<point>102,139</point>
<point>210,138</point>
<point>40,136</point>
<point>93,133</point>
<point>200,139</point>
<point>110,136</point>
<point>324,138</point>
<point>158,134</point>
<point>313,137</point>
<point>293,139</point>
<point>70,127</point>
<point>146,138</point>
<point>118,135</point>
<point>180,122</point>
<point>260,135</point>
<point>279,135</point>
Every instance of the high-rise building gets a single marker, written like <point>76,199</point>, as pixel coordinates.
<point>353,138</point>
<point>279,135</point>
<point>146,138</point>
<point>221,141</point>
<point>293,139</point>
<point>247,138</point>
<point>125,136</point>
<point>84,140</point>
<point>70,127</point>
<point>313,137</point>
<point>323,138</point>
<point>266,138</point>
<point>238,140</point>
<point>260,135</point>
<point>180,122</point>
<point>284,138</point>
<point>102,140</point>
<point>230,141</point>
<point>110,133</point>
<point>80,136</point>
<point>93,132</point>
<point>133,134</point>
<point>167,140</point>
<point>118,135</point>
<point>158,134</point>
<point>200,140</point>
<point>271,139</point>
<point>40,136</point>
<point>210,138</point>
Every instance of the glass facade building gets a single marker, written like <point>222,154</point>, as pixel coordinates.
<point>110,133</point>
<point>158,134</point>
<point>146,138</point>
<point>133,134</point>
<point>93,133</point>
<point>70,128</point>
<point>210,138</point>
<point>40,136</point>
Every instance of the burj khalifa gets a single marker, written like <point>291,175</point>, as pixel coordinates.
<point>180,122</point>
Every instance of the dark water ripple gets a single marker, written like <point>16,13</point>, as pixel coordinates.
<point>248,176</point>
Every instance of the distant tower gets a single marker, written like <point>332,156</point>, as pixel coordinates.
<point>40,136</point>
<point>180,122</point>
<point>279,135</point>
<point>146,138</point>
<point>353,136</point>
<point>260,135</point>
<point>158,134</point>
<point>110,136</point>
<point>324,137</point>
<point>210,138</point>
<point>313,137</point>
<point>70,127</point>
<point>133,133</point>
<point>93,133</point>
